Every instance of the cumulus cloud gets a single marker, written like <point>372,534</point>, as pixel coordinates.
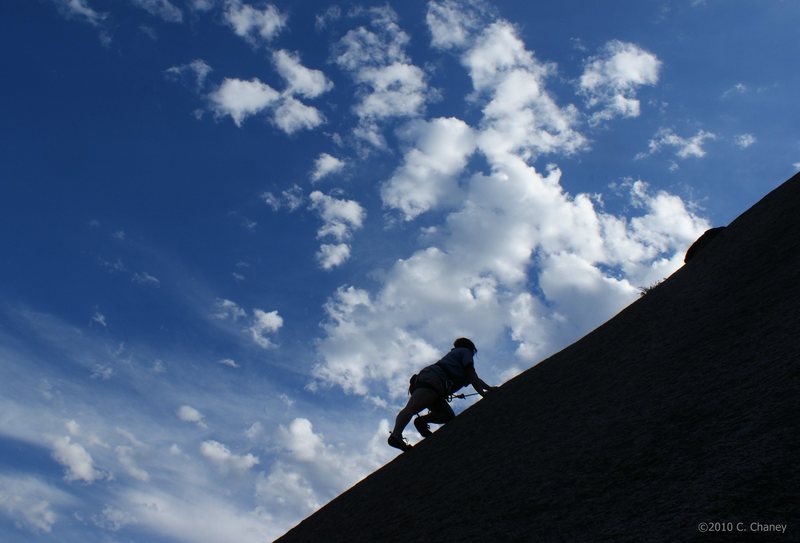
<point>163,9</point>
<point>684,147</point>
<point>187,413</point>
<point>264,323</point>
<point>390,86</point>
<point>340,217</point>
<point>300,80</point>
<point>255,25</point>
<point>521,117</point>
<point>452,23</point>
<point>331,255</point>
<point>77,460</point>
<point>240,99</point>
<point>325,165</point>
<point>610,80</point>
<point>516,228</point>
<point>309,471</point>
<point>439,151</point>
<point>292,115</point>
<point>225,459</point>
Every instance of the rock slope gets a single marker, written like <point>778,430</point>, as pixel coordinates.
<point>681,410</point>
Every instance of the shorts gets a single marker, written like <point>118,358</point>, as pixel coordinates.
<point>434,378</point>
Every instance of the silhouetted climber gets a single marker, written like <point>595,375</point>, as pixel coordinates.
<point>431,387</point>
<point>701,242</point>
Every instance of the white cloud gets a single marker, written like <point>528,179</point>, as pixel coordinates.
<point>77,460</point>
<point>231,363</point>
<point>225,459</point>
<point>240,99</point>
<point>299,79</point>
<point>80,9</point>
<point>301,440</point>
<point>796,165</point>
<point>253,24</point>
<point>745,140</point>
<point>310,471</point>
<point>396,90</point>
<point>521,116</point>
<point>325,165</point>
<point>161,8</point>
<point>293,115</point>
<point>685,147</point>
<point>389,85</point>
<point>187,413</point>
<point>331,255</point>
<point>29,502</point>
<point>519,258</point>
<point>340,216</point>
<point>610,80</point>
<point>198,515</point>
<point>452,24</point>
<point>195,72</point>
<point>440,149</point>
<point>285,489</point>
<point>264,323</point>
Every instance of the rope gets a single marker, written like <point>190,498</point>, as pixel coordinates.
<point>460,396</point>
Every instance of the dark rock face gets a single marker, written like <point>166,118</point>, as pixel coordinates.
<point>680,410</point>
<point>701,242</point>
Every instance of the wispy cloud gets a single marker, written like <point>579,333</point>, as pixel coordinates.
<point>744,140</point>
<point>163,9</point>
<point>193,74</point>
<point>684,147</point>
<point>81,10</point>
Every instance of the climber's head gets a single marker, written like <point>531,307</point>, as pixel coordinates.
<point>465,343</point>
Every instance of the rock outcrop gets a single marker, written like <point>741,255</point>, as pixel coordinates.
<point>681,410</point>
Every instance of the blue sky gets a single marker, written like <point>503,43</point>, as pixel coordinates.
<point>231,230</point>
